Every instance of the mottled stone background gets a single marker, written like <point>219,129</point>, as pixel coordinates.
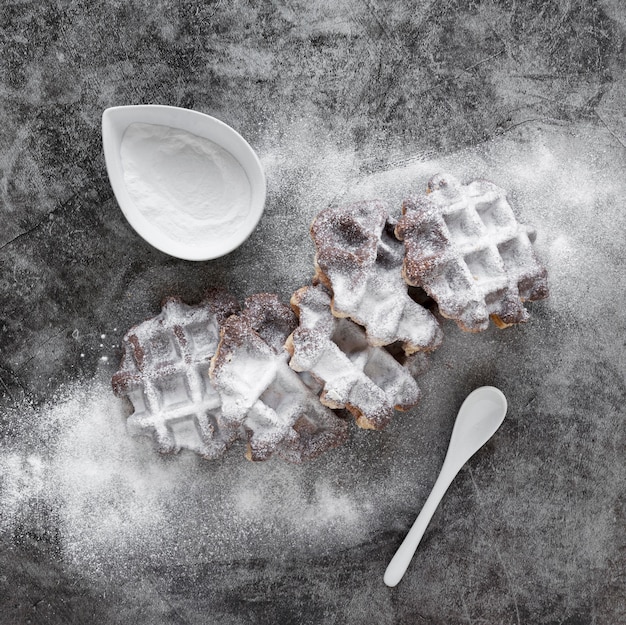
<point>340,99</point>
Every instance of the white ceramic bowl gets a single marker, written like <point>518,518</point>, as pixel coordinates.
<point>192,235</point>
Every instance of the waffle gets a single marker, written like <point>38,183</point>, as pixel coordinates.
<point>465,248</point>
<point>279,412</point>
<point>362,378</point>
<point>164,375</point>
<point>359,259</point>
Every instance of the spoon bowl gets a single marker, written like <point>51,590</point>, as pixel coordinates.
<point>479,417</point>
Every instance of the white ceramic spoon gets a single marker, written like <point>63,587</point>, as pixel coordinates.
<point>480,415</point>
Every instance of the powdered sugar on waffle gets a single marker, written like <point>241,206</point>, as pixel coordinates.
<point>466,249</point>
<point>363,378</point>
<point>259,391</point>
<point>164,375</point>
<point>359,259</point>
<point>252,393</point>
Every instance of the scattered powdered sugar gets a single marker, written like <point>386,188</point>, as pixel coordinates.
<point>115,503</point>
<point>557,182</point>
<point>326,505</point>
<point>21,481</point>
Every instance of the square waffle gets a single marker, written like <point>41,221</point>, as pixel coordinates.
<point>279,412</point>
<point>359,260</point>
<point>465,248</point>
<point>364,379</point>
<point>164,375</point>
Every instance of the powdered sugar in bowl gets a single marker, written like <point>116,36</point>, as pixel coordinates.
<point>189,184</point>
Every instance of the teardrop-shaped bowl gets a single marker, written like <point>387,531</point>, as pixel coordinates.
<point>177,226</point>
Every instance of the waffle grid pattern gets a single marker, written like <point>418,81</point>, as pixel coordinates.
<point>465,247</point>
<point>359,260</point>
<point>362,378</point>
<point>164,375</point>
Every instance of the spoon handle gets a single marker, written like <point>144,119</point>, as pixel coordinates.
<point>402,558</point>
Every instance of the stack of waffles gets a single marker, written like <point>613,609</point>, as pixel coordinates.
<point>287,380</point>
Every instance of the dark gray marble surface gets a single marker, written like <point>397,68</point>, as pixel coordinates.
<point>341,100</point>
